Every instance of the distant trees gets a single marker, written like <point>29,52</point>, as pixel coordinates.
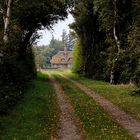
<point>56,45</point>
<point>64,37</point>
<point>43,54</point>
<point>68,39</point>
<point>108,34</point>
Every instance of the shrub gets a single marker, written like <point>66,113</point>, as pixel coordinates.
<point>77,66</point>
<point>15,74</point>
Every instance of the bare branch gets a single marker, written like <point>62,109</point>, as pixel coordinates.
<point>1,11</point>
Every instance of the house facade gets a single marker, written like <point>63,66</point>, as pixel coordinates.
<point>62,59</point>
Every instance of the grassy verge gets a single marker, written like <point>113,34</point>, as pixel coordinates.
<point>120,95</point>
<point>98,125</point>
<point>35,116</point>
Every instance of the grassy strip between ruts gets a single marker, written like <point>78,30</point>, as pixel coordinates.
<point>35,116</point>
<point>97,124</point>
<point>120,95</point>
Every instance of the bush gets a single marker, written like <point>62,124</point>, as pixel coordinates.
<point>15,74</point>
<point>77,66</point>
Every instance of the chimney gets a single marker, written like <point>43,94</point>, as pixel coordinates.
<point>65,50</point>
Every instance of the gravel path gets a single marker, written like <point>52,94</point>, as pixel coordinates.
<point>124,119</point>
<point>68,129</point>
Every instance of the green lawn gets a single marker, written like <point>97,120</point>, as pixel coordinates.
<point>35,116</point>
<point>120,95</point>
<point>98,125</point>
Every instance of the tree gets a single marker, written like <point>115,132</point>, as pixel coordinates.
<point>6,13</point>
<point>19,30</point>
<point>43,54</point>
<point>77,66</point>
<point>121,28</point>
<point>70,41</point>
<point>64,37</point>
<point>56,45</point>
<point>108,32</point>
<point>90,36</point>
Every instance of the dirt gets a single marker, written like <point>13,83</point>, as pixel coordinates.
<point>125,120</point>
<point>68,130</point>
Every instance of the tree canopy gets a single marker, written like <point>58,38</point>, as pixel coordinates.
<point>19,22</point>
<point>107,47</point>
<point>108,36</point>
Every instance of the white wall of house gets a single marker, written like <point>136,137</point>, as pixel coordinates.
<point>61,65</point>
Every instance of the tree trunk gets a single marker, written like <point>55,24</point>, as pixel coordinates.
<point>24,46</point>
<point>6,18</point>
<point>117,41</point>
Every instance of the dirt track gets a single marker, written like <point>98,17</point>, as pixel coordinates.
<point>124,119</point>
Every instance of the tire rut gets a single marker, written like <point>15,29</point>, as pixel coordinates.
<point>68,130</point>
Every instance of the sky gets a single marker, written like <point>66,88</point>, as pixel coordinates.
<point>57,31</point>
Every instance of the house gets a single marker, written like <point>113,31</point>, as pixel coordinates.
<point>62,59</point>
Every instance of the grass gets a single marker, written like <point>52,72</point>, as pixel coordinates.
<point>98,125</point>
<point>35,116</point>
<point>120,95</point>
